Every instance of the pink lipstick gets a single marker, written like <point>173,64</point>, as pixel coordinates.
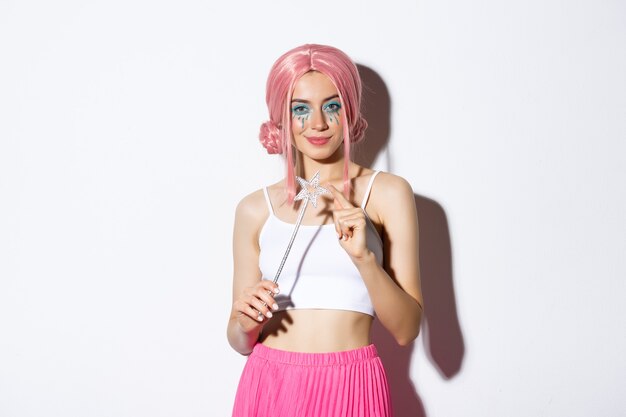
<point>318,140</point>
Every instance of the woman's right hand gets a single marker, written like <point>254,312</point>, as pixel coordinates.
<point>255,305</point>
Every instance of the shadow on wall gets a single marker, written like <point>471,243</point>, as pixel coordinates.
<point>441,332</point>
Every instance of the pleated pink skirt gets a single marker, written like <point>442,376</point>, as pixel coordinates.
<point>278,383</point>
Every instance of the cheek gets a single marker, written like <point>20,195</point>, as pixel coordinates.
<point>333,118</point>
<point>296,124</point>
<point>298,121</point>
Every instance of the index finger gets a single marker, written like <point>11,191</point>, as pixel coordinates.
<point>339,198</point>
<point>270,286</point>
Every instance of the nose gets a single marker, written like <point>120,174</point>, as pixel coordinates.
<point>318,120</point>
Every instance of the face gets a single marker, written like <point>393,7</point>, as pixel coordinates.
<point>316,117</point>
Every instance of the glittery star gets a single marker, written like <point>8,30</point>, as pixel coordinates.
<point>311,189</point>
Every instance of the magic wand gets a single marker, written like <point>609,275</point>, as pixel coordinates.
<point>309,192</point>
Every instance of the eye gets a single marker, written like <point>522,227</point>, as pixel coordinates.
<point>332,107</point>
<point>300,109</point>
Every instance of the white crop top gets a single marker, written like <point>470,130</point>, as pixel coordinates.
<point>318,273</point>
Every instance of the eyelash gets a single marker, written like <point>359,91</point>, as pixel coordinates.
<point>302,110</point>
<point>330,109</point>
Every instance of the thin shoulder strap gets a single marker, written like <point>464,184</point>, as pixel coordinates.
<point>267,200</point>
<point>369,188</point>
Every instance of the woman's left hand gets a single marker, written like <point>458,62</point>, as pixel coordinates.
<point>350,225</point>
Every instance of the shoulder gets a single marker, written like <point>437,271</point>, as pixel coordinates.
<point>391,196</point>
<point>252,208</point>
<point>388,185</point>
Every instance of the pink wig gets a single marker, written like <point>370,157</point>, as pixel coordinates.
<point>276,134</point>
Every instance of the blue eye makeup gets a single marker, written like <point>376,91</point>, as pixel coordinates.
<point>300,111</point>
<point>332,109</point>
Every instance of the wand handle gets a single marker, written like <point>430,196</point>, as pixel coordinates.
<point>293,236</point>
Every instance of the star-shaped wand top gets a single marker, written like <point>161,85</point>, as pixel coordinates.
<point>311,189</point>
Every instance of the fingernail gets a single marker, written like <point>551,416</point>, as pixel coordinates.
<point>275,306</point>
<point>276,290</point>
<point>269,314</point>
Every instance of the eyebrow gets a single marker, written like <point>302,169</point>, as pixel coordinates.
<point>299,100</point>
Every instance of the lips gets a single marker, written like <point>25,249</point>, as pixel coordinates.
<point>318,140</point>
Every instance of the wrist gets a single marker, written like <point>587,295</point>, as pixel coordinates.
<point>365,260</point>
<point>247,337</point>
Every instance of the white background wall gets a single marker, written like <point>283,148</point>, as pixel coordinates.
<point>128,135</point>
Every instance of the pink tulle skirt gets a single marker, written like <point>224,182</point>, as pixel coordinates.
<point>278,383</point>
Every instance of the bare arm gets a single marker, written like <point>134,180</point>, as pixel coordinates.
<point>249,291</point>
<point>395,290</point>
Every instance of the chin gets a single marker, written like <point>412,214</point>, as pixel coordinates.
<point>325,156</point>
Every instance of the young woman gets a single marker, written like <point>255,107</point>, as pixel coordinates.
<point>355,256</point>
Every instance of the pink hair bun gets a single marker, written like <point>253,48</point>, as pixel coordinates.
<point>270,137</point>
<point>358,131</point>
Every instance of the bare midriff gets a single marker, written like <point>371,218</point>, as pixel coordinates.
<point>317,331</point>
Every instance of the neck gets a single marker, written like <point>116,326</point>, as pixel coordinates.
<point>332,171</point>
